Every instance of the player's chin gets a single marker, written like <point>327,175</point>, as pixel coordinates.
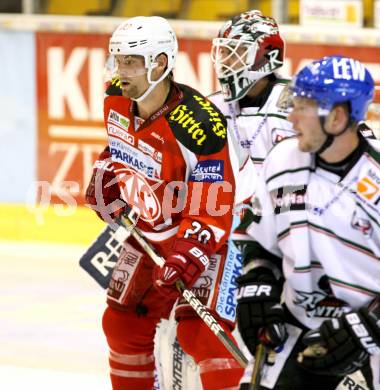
<point>128,92</point>
<point>302,145</point>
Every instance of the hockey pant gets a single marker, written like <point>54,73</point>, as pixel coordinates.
<point>130,339</point>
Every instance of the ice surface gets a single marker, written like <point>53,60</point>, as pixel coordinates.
<point>50,320</point>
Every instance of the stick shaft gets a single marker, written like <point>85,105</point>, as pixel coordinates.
<point>260,357</point>
<point>189,296</point>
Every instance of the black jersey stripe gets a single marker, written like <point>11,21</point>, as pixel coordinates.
<point>373,219</point>
<point>328,232</point>
<point>259,114</point>
<point>345,241</point>
<point>278,174</point>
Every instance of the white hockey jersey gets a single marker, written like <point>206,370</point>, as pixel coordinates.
<point>325,229</point>
<point>257,129</point>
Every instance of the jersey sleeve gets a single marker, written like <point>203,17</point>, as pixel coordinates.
<point>207,215</point>
<point>256,235</point>
<point>201,130</point>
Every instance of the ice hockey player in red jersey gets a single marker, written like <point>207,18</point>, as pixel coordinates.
<point>310,242</point>
<point>167,159</point>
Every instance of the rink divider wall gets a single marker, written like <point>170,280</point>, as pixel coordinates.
<point>49,224</point>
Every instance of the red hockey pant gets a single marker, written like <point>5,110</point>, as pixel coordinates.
<point>130,339</point>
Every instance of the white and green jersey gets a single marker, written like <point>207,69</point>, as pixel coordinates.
<point>326,230</point>
<point>259,127</point>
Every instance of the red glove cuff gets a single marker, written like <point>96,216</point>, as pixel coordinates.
<point>187,260</point>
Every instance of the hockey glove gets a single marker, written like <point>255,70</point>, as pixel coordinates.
<point>103,193</point>
<point>188,259</point>
<point>348,342</point>
<point>259,312</point>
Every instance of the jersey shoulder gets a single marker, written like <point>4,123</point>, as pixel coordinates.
<point>284,158</point>
<point>366,131</point>
<point>197,123</point>
<point>374,149</point>
<point>277,100</point>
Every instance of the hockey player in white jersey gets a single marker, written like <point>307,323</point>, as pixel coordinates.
<point>311,241</point>
<point>247,54</point>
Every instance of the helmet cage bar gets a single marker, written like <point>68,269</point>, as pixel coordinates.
<point>242,61</point>
<point>113,65</point>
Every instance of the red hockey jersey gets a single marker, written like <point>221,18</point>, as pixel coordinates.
<point>174,169</point>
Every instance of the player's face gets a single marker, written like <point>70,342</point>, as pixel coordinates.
<point>305,120</point>
<point>132,73</point>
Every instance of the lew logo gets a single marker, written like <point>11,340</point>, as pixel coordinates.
<point>139,194</point>
<point>348,69</point>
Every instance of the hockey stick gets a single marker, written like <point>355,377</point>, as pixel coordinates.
<point>189,296</point>
<point>260,358</point>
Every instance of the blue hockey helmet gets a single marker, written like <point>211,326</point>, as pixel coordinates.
<point>333,80</point>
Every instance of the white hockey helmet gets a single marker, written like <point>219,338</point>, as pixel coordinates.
<point>146,36</point>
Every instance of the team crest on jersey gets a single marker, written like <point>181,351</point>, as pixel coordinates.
<point>321,303</point>
<point>139,194</point>
<point>361,224</point>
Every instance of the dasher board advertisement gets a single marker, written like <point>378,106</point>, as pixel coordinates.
<point>344,13</point>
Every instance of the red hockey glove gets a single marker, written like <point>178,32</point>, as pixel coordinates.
<point>188,259</point>
<point>103,193</point>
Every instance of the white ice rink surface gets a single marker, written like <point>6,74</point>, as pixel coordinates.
<point>50,320</point>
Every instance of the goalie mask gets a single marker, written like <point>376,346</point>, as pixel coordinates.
<point>147,37</point>
<point>248,48</point>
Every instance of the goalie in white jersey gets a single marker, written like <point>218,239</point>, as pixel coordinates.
<point>311,241</point>
<point>247,54</point>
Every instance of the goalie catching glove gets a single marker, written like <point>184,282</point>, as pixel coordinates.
<point>347,341</point>
<point>260,316</point>
<point>188,259</point>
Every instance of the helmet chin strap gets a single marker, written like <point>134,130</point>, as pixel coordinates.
<point>153,84</point>
<point>329,137</point>
<point>146,93</point>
